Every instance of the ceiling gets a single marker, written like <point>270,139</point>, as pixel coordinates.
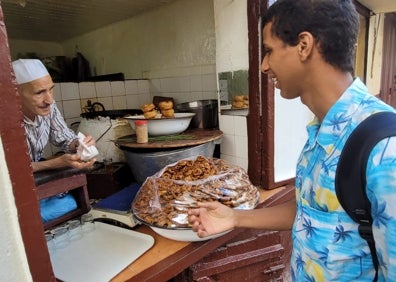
<point>380,6</point>
<point>59,20</point>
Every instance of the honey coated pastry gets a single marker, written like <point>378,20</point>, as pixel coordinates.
<point>150,114</point>
<point>238,98</point>
<point>164,198</point>
<point>147,107</point>
<point>240,102</point>
<point>165,105</point>
<point>170,113</point>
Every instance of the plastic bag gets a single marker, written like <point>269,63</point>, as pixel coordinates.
<point>164,198</point>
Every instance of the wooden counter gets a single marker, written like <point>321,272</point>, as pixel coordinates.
<point>167,258</point>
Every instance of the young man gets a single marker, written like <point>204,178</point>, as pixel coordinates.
<point>42,120</point>
<point>309,54</point>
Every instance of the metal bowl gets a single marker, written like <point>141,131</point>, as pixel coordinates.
<point>164,126</point>
<point>206,111</point>
<point>146,163</point>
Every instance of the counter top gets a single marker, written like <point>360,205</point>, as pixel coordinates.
<point>167,258</point>
<point>195,137</point>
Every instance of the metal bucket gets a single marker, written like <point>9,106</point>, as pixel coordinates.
<point>145,164</point>
<point>206,113</point>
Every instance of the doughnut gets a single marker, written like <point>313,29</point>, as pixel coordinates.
<point>239,105</point>
<point>165,105</point>
<point>150,114</point>
<point>147,107</point>
<point>168,113</point>
<point>238,98</point>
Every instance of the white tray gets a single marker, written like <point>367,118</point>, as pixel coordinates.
<point>100,254</point>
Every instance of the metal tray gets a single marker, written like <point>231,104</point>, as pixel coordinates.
<point>99,255</point>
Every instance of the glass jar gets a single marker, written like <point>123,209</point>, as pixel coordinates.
<point>141,131</point>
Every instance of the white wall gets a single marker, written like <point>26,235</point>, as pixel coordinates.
<point>174,39</point>
<point>232,52</point>
<point>13,262</point>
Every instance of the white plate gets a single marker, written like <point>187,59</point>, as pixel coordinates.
<point>164,126</point>
<point>185,235</point>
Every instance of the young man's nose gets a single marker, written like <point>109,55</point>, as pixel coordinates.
<point>264,65</point>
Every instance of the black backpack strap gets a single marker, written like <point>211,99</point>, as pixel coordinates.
<point>350,181</point>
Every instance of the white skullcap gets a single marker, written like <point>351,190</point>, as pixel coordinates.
<point>27,70</point>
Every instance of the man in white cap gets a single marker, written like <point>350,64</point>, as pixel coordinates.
<point>43,121</point>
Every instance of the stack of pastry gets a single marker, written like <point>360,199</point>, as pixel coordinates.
<point>149,111</point>
<point>240,102</point>
<point>166,108</point>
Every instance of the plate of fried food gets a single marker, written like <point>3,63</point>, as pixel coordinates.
<point>162,120</point>
<point>164,199</point>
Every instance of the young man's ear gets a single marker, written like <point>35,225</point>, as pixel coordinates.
<point>305,45</point>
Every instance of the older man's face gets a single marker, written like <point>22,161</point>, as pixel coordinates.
<point>37,97</point>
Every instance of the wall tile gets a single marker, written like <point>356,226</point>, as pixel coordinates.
<point>87,89</point>
<point>226,124</point>
<point>119,102</point>
<point>229,159</point>
<point>209,82</point>
<point>242,145</point>
<point>228,146</point>
<point>59,104</point>
<point>209,95</point>
<point>155,87</point>
<point>71,108</point>
<point>169,85</point>
<point>117,88</point>
<point>107,102</point>
<point>240,125</point>
<point>57,92</point>
<point>196,83</point>
<point>103,89</point>
<point>242,162</point>
<point>195,96</point>
<point>144,98</point>
<point>69,91</point>
<point>133,102</point>
<point>143,86</point>
<point>185,84</point>
<point>131,87</point>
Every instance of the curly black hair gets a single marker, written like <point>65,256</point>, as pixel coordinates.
<point>333,23</point>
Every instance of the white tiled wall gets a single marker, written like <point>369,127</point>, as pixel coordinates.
<point>131,94</point>
<point>234,145</point>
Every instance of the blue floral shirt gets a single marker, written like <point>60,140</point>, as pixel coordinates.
<point>327,245</point>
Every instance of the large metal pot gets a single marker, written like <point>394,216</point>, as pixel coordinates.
<point>206,113</point>
<point>146,163</point>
